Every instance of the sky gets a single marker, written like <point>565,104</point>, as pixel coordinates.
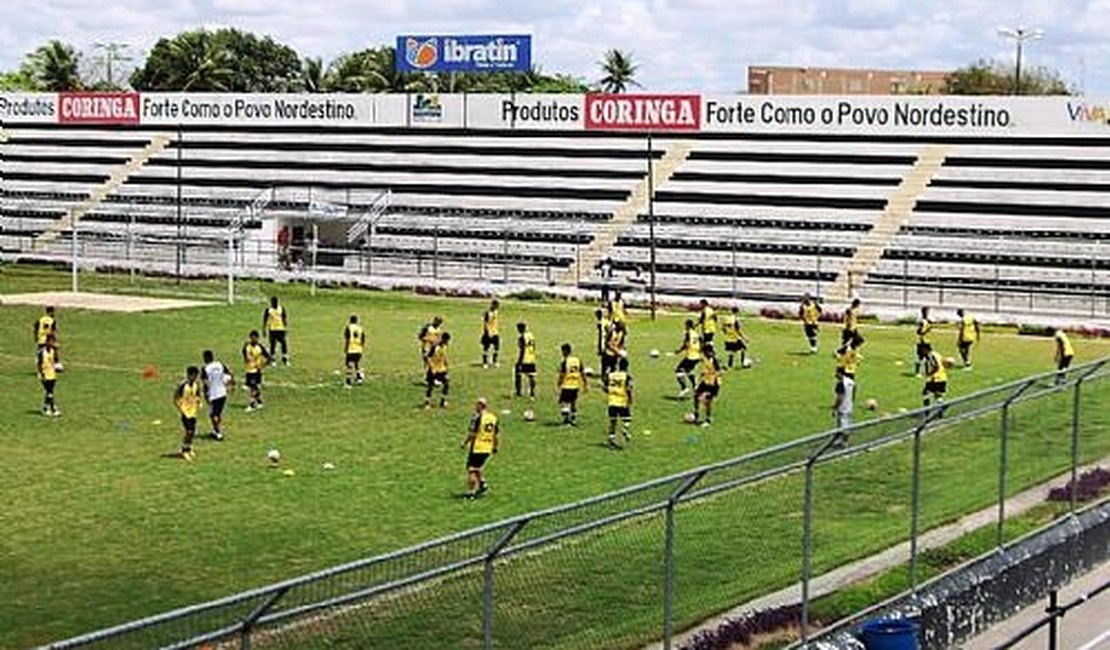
<point>693,45</point>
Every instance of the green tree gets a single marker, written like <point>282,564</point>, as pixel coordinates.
<point>54,67</point>
<point>619,72</point>
<point>373,70</point>
<point>221,60</point>
<point>17,81</point>
<point>312,75</point>
<point>994,78</point>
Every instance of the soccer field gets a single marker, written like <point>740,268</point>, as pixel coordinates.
<point>100,528</point>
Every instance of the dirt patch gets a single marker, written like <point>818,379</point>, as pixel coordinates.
<point>98,301</point>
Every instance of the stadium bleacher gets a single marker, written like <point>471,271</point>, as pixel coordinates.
<point>756,217</point>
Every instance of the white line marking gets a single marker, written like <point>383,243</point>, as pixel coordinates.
<point>1097,641</point>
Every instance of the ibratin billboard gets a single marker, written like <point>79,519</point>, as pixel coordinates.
<point>444,53</point>
<point>675,114</point>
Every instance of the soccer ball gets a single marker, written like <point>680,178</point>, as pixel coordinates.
<point>871,404</point>
<point>589,372</point>
<point>689,418</point>
<point>58,367</point>
<point>747,363</point>
<point>274,455</point>
<point>654,353</point>
<point>529,415</point>
<point>949,362</point>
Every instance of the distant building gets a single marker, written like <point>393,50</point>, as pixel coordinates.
<point>792,80</point>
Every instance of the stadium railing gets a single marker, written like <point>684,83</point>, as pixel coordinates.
<point>631,567</point>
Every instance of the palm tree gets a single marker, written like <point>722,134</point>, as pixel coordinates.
<point>619,70</point>
<point>199,63</point>
<point>372,70</point>
<point>312,75</point>
<point>54,67</point>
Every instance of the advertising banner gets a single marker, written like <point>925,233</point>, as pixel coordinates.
<point>643,112</point>
<point>436,110</point>
<point>256,110</point>
<point>98,108</point>
<point>28,107</point>
<point>445,53</point>
<point>524,111</point>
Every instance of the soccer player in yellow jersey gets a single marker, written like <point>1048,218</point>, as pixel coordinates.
<point>707,322</point>
<point>47,362</point>
<point>570,381</point>
<point>709,386</point>
<point>1064,353</point>
<point>619,398</point>
<point>255,358</point>
<point>615,348</point>
<point>617,311</point>
<point>690,351</point>
<point>851,322</point>
<point>436,375</point>
<point>924,340</point>
<point>45,326</point>
<point>936,379</point>
<point>848,358</point>
<point>482,439</point>
<point>603,326</point>
<point>809,312</point>
<point>274,322</point>
<point>491,335</point>
<point>735,341</point>
<point>354,343</point>
<point>525,361</point>
<point>186,398</point>
<point>429,335</point>
<point>968,334</point>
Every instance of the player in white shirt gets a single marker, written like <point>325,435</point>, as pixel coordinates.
<point>216,377</point>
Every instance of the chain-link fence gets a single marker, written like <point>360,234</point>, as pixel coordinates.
<point>631,567</point>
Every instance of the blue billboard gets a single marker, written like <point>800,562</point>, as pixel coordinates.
<point>492,53</point>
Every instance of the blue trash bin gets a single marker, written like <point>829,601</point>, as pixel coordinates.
<point>890,634</point>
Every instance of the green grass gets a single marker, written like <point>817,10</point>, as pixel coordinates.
<point>99,529</point>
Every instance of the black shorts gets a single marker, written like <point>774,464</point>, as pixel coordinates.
<point>686,366</point>
<point>847,335</point>
<point>475,460</point>
<point>353,358</point>
<point>277,336</point>
<point>433,378</point>
<point>491,341</point>
<point>609,361</point>
<point>965,345</point>
<point>526,368</point>
<point>190,424</point>
<point>810,329</point>
<point>48,385</point>
<point>707,338</point>
<point>935,388</point>
<point>923,350</point>
<point>735,346</point>
<point>1064,363</point>
<point>254,379</point>
<point>216,406</point>
<point>709,390</point>
<point>568,395</point>
<point>620,412</point>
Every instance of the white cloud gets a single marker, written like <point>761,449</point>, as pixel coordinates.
<point>679,44</point>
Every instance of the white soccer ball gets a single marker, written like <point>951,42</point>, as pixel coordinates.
<point>589,372</point>
<point>747,363</point>
<point>689,418</point>
<point>871,404</point>
<point>529,415</point>
<point>274,455</point>
<point>58,367</point>
<point>654,353</point>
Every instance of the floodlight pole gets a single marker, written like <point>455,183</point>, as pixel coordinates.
<point>651,216</point>
<point>1019,35</point>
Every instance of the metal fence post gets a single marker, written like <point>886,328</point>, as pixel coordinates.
<point>1054,622</point>
<point>1075,415</point>
<point>915,490</point>
<point>487,579</point>
<point>668,556</point>
<point>247,626</point>
<point>1003,457</point>
<point>807,532</point>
